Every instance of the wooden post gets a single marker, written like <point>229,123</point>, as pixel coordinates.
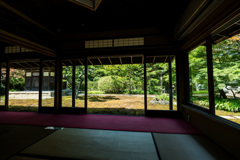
<point>7,85</point>
<point>182,72</point>
<point>58,84</point>
<point>40,85</point>
<point>145,85</point>
<point>86,82</point>
<point>210,75</point>
<point>73,83</point>
<point>170,82</point>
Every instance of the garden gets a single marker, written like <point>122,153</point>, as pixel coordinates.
<point>119,89</point>
<point>226,74</point>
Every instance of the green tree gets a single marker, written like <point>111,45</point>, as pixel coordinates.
<point>111,84</point>
<point>226,59</point>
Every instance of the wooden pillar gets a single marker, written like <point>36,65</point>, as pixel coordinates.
<point>210,76</point>
<point>73,83</point>
<point>86,83</point>
<point>145,85</point>
<point>58,84</point>
<point>7,85</point>
<point>170,82</point>
<point>40,84</point>
<point>182,69</point>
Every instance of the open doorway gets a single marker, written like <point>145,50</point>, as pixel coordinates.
<point>23,92</point>
<point>116,89</point>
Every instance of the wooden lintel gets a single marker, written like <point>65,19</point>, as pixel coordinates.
<point>100,61</point>
<point>110,60</point>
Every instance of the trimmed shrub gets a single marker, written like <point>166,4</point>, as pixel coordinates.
<point>110,84</point>
<point>93,85</point>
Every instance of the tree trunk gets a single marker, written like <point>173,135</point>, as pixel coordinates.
<point>78,88</point>
<point>222,94</point>
<point>231,91</point>
<point>79,85</point>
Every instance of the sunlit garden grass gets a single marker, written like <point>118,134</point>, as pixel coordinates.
<point>130,105</point>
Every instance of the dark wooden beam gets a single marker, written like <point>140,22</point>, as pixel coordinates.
<point>154,59</point>
<point>100,61</point>
<point>90,61</point>
<point>80,62</point>
<point>110,60</point>
<point>18,13</point>
<point>11,38</point>
<point>166,59</point>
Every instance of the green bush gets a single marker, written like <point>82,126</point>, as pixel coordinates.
<point>3,87</point>
<point>16,84</point>
<point>200,92</point>
<point>134,91</point>
<point>231,105</point>
<point>95,92</point>
<point>110,84</point>
<point>93,85</point>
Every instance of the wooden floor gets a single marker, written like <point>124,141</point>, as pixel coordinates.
<point>38,143</point>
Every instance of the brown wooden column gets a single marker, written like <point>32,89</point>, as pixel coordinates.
<point>40,85</point>
<point>58,84</point>
<point>145,85</point>
<point>7,84</point>
<point>73,83</point>
<point>170,83</point>
<point>182,72</point>
<point>86,83</point>
<point>210,76</point>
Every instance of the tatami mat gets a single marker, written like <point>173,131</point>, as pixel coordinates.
<point>188,147</point>
<point>96,144</point>
<point>13,138</point>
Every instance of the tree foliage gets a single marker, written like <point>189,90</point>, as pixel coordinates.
<point>226,66</point>
<point>111,84</point>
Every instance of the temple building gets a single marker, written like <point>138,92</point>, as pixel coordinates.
<point>56,42</point>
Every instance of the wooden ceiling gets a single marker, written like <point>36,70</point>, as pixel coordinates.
<point>60,27</point>
<point>67,17</point>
